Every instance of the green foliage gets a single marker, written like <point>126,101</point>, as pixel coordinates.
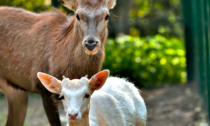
<point>147,61</point>
<point>35,5</point>
<point>32,5</point>
<point>151,17</point>
<point>1,95</point>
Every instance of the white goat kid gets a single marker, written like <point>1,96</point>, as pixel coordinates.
<point>114,103</point>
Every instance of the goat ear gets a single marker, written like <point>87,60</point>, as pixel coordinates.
<point>51,83</point>
<point>71,4</point>
<point>111,4</point>
<point>98,80</point>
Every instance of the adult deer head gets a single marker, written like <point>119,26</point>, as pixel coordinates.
<point>92,18</point>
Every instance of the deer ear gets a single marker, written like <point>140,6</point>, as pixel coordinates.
<point>51,83</point>
<point>98,80</point>
<point>71,4</point>
<point>111,4</point>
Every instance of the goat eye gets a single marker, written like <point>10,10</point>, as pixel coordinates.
<point>87,95</point>
<point>77,16</point>
<point>61,98</point>
<point>107,17</point>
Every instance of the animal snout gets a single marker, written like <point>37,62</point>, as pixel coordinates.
<point>91,44</point>
<point>73,116</point>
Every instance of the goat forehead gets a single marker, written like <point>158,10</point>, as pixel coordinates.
<point>74,93</point>
<point>75,85</point>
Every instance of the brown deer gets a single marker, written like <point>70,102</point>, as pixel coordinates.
<point>50,43</point>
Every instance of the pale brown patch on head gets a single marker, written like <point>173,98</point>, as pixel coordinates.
<point>74,85</point>
<point>92,4</point>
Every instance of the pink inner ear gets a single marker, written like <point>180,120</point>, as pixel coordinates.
<point>98,80</point>
<point>45,79</point>
<point>101,76</point>
<point>50,82</point>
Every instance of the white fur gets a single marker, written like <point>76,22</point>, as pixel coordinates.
<point>117,103</point>
<point>74,101</point>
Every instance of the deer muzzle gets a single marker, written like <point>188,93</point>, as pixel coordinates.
<point>91,45</point>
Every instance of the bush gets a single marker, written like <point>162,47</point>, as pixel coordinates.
<point>149,61</point>
<point>32,5</point>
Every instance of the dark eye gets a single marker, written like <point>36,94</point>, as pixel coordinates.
<point>77,16</point>
<point>107,17</point>
<point>61,98</point>
<point>87,95</point>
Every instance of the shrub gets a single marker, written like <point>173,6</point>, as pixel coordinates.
<point>32,5</point>
<point>149,61</point>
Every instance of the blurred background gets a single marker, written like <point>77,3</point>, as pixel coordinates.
<point>151,43</point>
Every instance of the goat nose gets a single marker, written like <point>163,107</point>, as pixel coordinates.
<point>73,116</point>
<point>90,45</point>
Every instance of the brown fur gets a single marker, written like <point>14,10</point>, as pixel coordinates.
<point>46,42</point>
<point>89,4</point>
<point>92,3</point>
<point>97,3</point>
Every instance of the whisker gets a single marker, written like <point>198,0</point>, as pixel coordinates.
<point>115,15</point>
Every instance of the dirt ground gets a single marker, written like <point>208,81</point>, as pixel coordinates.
<point>177,105</point>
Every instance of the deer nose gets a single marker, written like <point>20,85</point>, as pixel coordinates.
<point>73,116</point>
<point>90,45</point>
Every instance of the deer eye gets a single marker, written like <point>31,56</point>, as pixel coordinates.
<point>87,95</point>
<point>77,16</point>
<point>61,98</point>
<point>107,17</point>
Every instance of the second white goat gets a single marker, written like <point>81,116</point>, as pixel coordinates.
<point>113,102</point>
